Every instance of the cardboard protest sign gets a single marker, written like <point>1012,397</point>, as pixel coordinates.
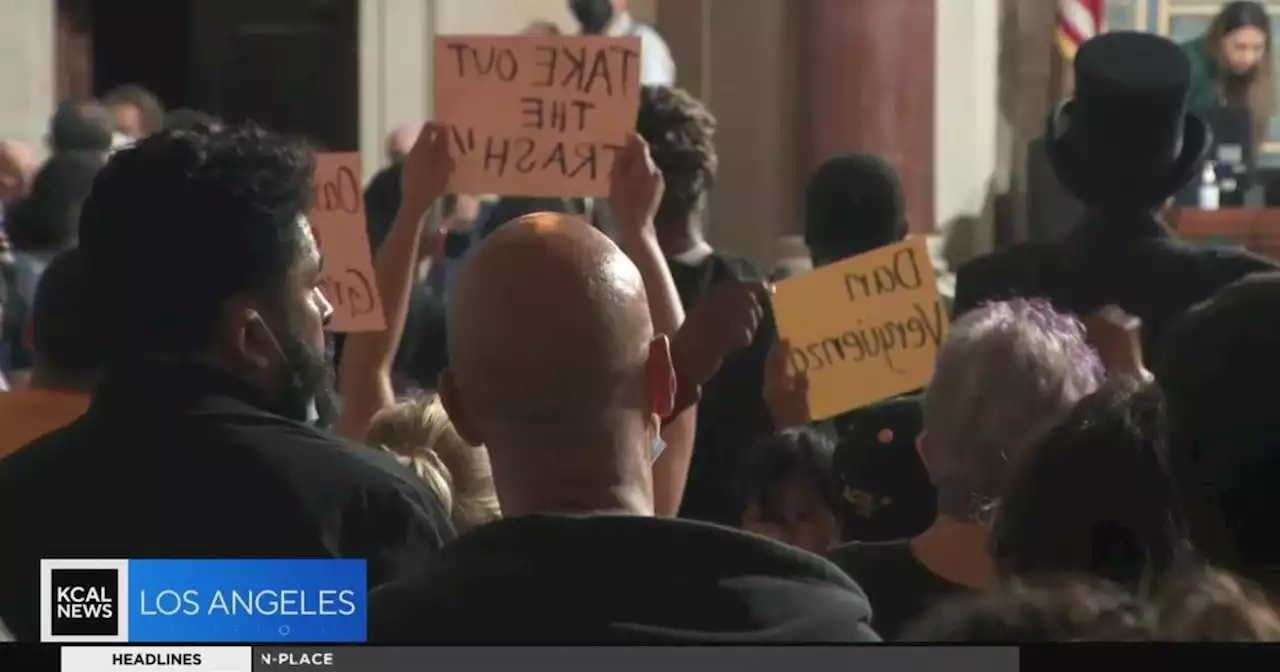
<point>536,116</point>
<point>864,329</point>
<point>337,221</point>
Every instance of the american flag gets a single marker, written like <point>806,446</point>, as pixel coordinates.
<point>1077,21</point>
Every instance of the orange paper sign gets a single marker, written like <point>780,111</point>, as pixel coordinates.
<point>864,329</point>
<point>337,220</point>
<point>536,116</point>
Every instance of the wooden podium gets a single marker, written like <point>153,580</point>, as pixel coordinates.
<point>1255,229</point>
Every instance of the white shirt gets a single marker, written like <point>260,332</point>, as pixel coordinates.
<point>656,64</point>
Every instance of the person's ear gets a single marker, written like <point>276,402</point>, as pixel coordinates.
<point>661,377</point>
<point>452,404</point>
<point>244,334</point>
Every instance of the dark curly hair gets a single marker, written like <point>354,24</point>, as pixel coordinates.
<point>150,109</point>
<point>681,136</point>
<point>1097,495</point>
<point>182,221</point>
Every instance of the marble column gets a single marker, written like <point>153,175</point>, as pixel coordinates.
<point>869,66</point>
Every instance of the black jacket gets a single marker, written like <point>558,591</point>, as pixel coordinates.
<point>1138,264</point>
<point>619,580</point>
<point>179,461</point>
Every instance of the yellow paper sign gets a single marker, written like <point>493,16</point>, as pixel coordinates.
<point>536,116</point>
<point>864,329</point>
<point>337,221</point>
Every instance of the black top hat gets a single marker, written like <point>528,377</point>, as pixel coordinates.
<point>1127,140</point>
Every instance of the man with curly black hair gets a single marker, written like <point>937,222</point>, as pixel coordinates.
<point>204,280</point>
<point>732,415</point>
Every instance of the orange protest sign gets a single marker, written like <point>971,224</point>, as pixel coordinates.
<point>337,221</point>
<point>864,329</point>
<point>536,116</point>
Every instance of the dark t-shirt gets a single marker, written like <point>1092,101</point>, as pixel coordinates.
<point>732,413</point>
<point>899,587</point>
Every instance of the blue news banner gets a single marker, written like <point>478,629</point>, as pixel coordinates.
<point>206,601</point>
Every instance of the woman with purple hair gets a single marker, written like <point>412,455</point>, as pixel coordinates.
<point>1006,374</point>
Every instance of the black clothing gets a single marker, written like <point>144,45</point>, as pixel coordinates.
<point>1138,264</point>
<point>180,461</point>
<point>619,580</point>
<point>886,490</point>
<point>732,414</point>
<point>900,588</point>
<point>1052,210</point>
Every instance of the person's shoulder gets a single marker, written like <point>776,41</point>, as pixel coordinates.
<point>860,558</point>
<point>995,275</point>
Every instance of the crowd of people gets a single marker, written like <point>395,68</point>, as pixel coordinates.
<point>576,437</point>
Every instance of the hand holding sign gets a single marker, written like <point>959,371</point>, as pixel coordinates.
<point>864,329</point>
<point>786,393</point>
<point>719,324</point>
<point>1117,336</point>
<point>426,171</point>
<point>635,187</point>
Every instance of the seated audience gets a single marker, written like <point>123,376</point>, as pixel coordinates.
<point>41,226</point>
<point>419,429</point>
<point>65,362</point>
<point>1004,376</point>
<point>1070,611</point>
<point>680,131</point>
<point>570,413</point>
<point>1096,497</point>
<point>213,358</point>
<point>80,125</point>
<point>1220,360</point>
<point>789,493</point>
<point>136,111</point>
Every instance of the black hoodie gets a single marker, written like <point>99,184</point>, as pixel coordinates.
<point>619,580</point>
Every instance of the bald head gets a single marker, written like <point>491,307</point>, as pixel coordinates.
<point>18,165</point>
<point>547,320</point>
<point>401,140</point>
<point>554,367</point>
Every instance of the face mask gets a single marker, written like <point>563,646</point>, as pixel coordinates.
<point>292,405</point>
<point>593,15</point>
<point>656,447</point>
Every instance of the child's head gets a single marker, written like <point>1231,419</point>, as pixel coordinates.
<point>788,491</point>
<point>419,431</point>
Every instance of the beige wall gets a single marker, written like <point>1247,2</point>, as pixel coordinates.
<point>26,70</point>
<point>967,125</point>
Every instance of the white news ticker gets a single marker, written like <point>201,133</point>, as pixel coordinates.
<point>102,658</point>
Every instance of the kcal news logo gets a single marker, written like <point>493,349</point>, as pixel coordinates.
<point>190,601</point>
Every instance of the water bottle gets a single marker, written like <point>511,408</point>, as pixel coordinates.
<point>1210,194</point>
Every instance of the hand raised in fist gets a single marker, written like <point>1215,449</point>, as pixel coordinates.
<point>635,187</point>
<point>426,171</point>
<point>1117,336</point>
<point>786,394</point>
<point>722,322</point>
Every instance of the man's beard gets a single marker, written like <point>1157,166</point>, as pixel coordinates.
<point>308,380</point>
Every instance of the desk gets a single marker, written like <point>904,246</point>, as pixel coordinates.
<point>1255,229</point>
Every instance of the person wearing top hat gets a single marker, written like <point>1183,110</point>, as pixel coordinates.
<point>1123,145</point>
